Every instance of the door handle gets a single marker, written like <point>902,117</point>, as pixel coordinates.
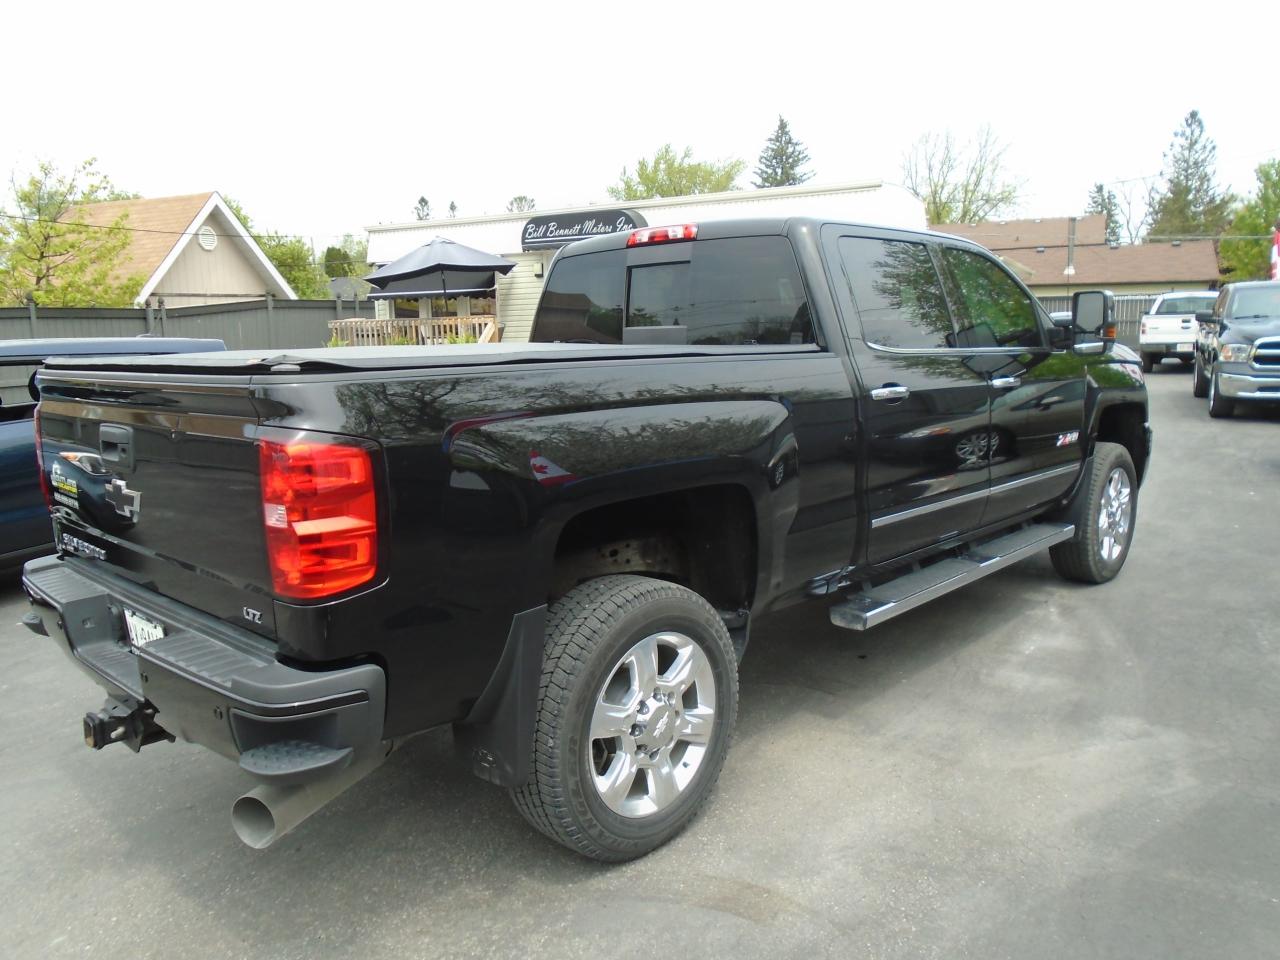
<point>1004,383</point>
<point>891,391</point>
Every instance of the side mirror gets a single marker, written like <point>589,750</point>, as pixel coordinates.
<point>1062,335</point>
<point>1093,311</point>
<point>1205,316</point>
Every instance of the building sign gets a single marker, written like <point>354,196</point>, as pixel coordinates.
<point>555,230</point>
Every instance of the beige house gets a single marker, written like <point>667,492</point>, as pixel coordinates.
<point>1042,253</point>
<point>192,250</point>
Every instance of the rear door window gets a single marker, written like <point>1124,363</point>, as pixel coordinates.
<point>898,293</point>
<point>991,309</point>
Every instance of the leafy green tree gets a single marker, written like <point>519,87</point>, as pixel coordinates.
<point>1245,250</point>
<point>422,210</point>
<point>292,256</point>
<point>520,204</point>
<point>781,159</point>
<point>49,255</point>
<point>348,259</point>
<point>1102,200</point>
<point>959,183</point>
<point>335,263</point>
<point>1188,203</point>
<point>670,174</point>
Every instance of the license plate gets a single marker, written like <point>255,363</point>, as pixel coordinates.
<point>141,630</point>
<point>1185,347</point>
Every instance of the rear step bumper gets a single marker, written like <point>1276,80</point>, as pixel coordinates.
<point>207,681</point>
<point>877,604</point>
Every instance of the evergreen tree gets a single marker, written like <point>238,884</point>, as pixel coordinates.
<point>1189,203</point>
<point>453,209</point>
<point>781,159</point>
<point>422,210</point>
<point>1102,200</point>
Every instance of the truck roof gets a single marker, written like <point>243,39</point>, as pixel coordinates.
<point>744,227</point>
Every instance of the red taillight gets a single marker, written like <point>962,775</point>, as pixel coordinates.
<point>44,480</point>
<point>320,516</point>
<point>648,235</point>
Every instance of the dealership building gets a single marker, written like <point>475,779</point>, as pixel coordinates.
<point>532,239</point>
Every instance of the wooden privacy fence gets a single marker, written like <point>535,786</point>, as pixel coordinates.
<point>360,332</point>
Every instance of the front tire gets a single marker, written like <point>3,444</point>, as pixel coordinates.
<point>637,704</point>
<point>1199,382</point>
<point>1219,406</point>
<point>1104,511</point>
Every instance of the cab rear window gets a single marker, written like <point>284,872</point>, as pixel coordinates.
<point>1176,305</point>
<point>735,291</point>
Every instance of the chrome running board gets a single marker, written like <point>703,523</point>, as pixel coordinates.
<point>875,605</point>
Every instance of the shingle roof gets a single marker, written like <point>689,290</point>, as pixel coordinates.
<point>1028,234</point>
<point>1189,261</point>
<point>155,226</point>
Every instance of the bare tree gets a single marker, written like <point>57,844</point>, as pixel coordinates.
<point>959,183</point>
<point>1135,213</point>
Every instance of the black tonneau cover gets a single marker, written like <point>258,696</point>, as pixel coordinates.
<point>320,359</point>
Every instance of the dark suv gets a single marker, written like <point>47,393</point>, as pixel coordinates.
<point>1238,347</point>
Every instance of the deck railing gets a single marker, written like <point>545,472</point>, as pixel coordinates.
<point>364,332</point>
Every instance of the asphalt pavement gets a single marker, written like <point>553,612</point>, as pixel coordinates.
<point>1026,768</point>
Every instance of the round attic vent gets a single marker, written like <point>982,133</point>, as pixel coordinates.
<point>208,239</point>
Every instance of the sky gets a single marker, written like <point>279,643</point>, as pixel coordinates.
<point>323,119</point>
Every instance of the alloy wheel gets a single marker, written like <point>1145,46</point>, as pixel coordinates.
<point>1115,515</point>
<point>652,724</point>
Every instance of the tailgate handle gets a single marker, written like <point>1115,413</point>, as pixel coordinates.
<point>115,443</point>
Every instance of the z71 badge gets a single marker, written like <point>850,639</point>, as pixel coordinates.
<point>1066,439</point>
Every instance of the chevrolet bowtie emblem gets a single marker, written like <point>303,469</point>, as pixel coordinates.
<point>126,502</point>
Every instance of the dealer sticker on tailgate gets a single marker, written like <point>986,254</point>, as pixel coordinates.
<point>141,629</point>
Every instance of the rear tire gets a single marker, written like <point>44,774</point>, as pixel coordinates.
<point>1148,362</point>
<point>636,707</point>
<point>1199,382</point>
<point>1104,511</point>
<point>1220,407</point>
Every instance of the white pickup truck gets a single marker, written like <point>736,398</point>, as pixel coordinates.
<point>1169,328</point>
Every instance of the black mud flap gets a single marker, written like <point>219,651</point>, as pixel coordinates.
<point>496,739</point>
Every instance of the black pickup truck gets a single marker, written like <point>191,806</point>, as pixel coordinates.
<point>558,548</point>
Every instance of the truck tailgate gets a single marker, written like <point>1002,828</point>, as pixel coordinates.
<point>158,480</point>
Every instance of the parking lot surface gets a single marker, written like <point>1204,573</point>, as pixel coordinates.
<point>1026,768</point>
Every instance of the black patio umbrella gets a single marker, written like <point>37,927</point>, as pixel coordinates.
<point>440,268</point>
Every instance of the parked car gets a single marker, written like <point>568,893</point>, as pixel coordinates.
<point>1238,348</point>
<point>1168,329</point>
<point>559,547</point>
<point>25,531</point>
